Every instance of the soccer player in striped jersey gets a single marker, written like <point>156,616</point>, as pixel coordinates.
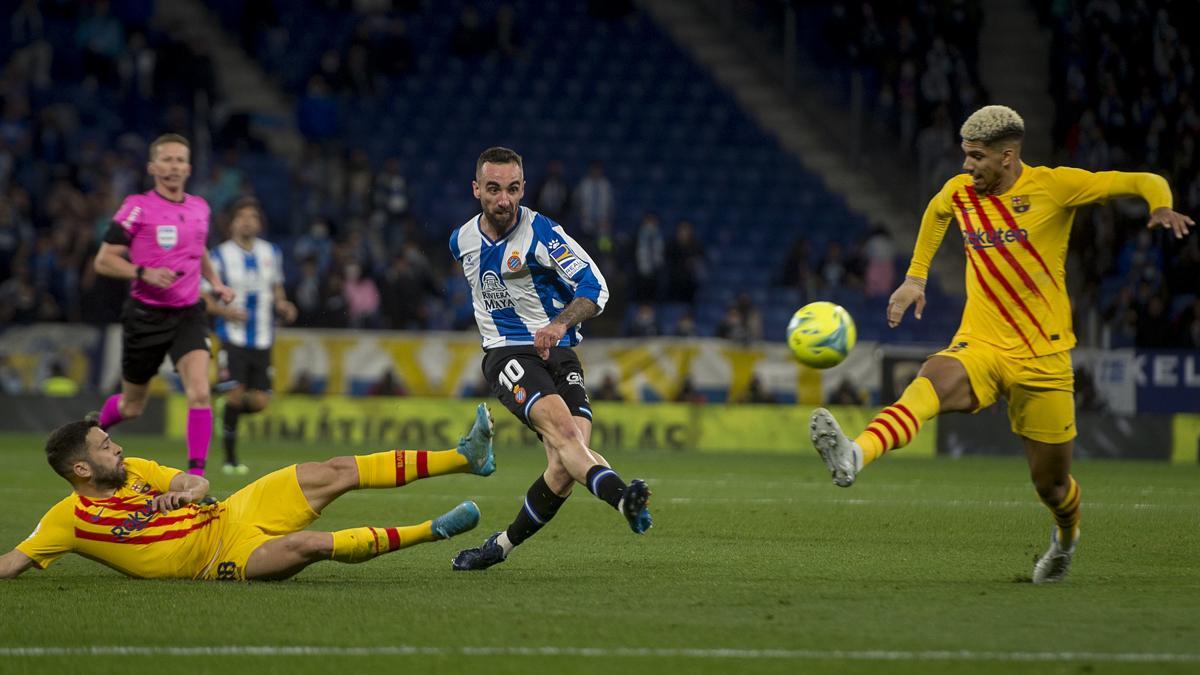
<point>153,522</point>
<point>532,285</point>
<point>1016,335</point>
<point>163,233</point>
<point>253,268</point>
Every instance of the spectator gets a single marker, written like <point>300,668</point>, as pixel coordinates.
<point>645,322</point>
<point>608,390</point>
<point>798,270</point>
<point>359,183</point>
<point>648,259</point>
<point>508,40</point>
<point>403,292</point>
<point>594,199</point>
<point>362,298</point>
<point>1153,326</point>
<point>832,271</point>
<point>391,193</point>
<point>846,394</point>
<point>684,261</point>
<point>317,114</point>
<point>686,326</point>
<point>316,245</point>
<point>102,39</point>
<point>303,384</point>
<point>389,384</point>
<point>552,196</point>
<point>756,392</point>
<point>307,293</point>
<point>57,384</point>
<point>471,39</point>
<point>11,383</point>
<point>880,273</point>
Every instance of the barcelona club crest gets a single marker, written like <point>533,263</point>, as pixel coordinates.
<point>1020,203</point>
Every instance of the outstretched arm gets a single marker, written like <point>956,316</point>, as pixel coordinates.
<point>13,563</point>
<point>1154,189</point>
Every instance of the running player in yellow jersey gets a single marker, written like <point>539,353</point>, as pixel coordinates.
<point>153,522</point>
<point>1015,337</point>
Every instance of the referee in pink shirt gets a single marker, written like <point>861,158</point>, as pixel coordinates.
<point>165,234</point>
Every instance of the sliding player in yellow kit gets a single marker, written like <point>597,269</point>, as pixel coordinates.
<point>152,522</point>
<point>1015,337</point>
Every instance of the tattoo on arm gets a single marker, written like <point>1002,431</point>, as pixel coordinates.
<point>580,310</point>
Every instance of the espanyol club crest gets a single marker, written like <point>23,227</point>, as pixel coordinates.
<point>514,262</point>
<point>167,236</point>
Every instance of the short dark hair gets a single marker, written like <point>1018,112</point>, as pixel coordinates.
<point>247,203</point>
<point>168,138</point>
<point>498,155</point>
<point>67,445</point>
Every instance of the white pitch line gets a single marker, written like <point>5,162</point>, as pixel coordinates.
<point>607,652</point>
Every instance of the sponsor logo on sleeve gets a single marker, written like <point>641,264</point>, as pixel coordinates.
<point>133,216</point>
<point>564,257</point>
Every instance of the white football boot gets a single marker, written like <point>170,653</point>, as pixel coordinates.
<point>1054,564</point>
<point>842,456</point>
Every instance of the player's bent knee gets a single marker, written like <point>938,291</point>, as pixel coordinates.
<point>344,470</point>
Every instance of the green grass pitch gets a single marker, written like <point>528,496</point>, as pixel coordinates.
<point>755,564</point>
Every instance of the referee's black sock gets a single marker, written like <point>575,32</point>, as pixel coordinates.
<point>605,484</point>
<point>229,432</point>
<point>541,504</point>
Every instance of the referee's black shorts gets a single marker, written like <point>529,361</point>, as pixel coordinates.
<point>150,333</point>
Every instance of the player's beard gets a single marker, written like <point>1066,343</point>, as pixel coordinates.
<point>501,221</point>
<point>108,479</point>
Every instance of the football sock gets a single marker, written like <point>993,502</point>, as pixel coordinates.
<point>400,467</point>
<point>896,425</point>
<point>541,504</point>
<point>1066,514</point>
<point>110,413</point>
<point>363,543</point>
<point>229,431</point>
<point>199,433</point>
<point>605,484</point>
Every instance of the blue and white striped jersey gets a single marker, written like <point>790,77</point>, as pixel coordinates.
<point>521,282</point>
<point>252,275</point>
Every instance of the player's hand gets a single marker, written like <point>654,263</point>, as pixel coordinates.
<point>287,311</point>
<point>169,501</point>
<point>235,314</point>
<point>1170,220</point>
<point>912,290</point>
<point>159,277</point>
<point>224,293</point>
<point>547,337</point>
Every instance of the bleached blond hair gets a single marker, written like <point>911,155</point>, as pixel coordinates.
<point>993,123</point>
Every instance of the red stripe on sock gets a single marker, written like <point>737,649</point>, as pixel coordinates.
<point>422,464</point>
<point>895,437</point>
<point>908,433</point>
<point>904,409</point>
<point>393,538</point>
<point>399,467</point>
<point>878,435</point>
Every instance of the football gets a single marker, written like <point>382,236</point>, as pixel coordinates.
<point>821,334</point>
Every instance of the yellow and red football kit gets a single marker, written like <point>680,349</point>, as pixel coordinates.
<point>1016,327</point>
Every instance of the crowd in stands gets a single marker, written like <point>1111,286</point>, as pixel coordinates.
<point>76,115</point>
<point>1126,90</point>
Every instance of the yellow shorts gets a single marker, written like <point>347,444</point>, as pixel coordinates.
<point>266,509</point>
<point>1040,390</point>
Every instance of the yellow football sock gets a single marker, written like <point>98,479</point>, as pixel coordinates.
<point>363,543</point>
<point>896,425</point>
<point>1066,513</point>
<point>400,467</point>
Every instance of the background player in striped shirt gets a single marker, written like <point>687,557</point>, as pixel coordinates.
<point>163,232</point>
<point>253,268</point>
<point>153,522</point>
<point>532,285</point>
<point>1016,333</point>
